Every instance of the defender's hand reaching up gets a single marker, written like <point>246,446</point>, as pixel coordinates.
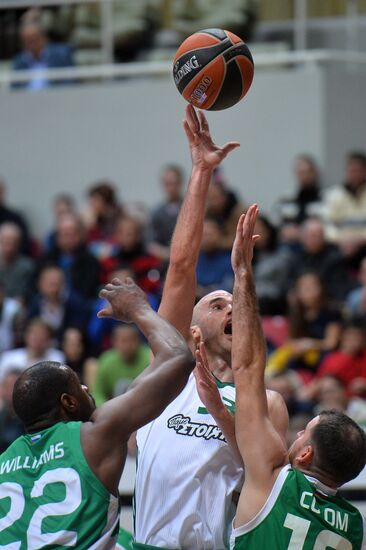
<point>205,154</point>
<point>125,300</point>
<point>242,251</point>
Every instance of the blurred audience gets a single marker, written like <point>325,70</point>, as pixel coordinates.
<point>271,269</point>
<point>130,250</point>
<point>62,205</point>
<point>164,216</point>
<point>70,253</point>
<point>314,329</point>
<point>38,339</point>
<point>16,270</point>
<point>345,206</point>
<point>224,207</point>
<point>11,317</point>
<point>38,54</point>
<point>7,214</point>
<point>75,349</point>
<point>11,426</point>
<point>57,305</point>
<point>356,299</point>
<point>120,365</point>
<point>214,264</point>
<point>101,215</point>
<point>315,254</point>
<point>308,196</point>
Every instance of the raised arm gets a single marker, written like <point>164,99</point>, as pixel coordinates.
<point>180,285</point>
<point>113,422</point>
<point>261,447</point>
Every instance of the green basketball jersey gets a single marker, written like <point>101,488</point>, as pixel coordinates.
<point>50,498</point>
<point>302,514</point>
<point>125,540</point>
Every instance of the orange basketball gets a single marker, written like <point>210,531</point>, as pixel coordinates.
<point>213,69</point>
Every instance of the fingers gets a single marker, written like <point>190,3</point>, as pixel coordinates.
<point>192,119</point>
<point>250,221</point>
<point>105,312</point>
<point>228,147</point>
<point>203,121</point>
<point>116,281</point>
<point>188,131</point>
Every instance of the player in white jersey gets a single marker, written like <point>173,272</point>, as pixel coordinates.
<point>187,472</point>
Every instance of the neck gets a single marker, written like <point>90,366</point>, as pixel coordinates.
<point>220,368</point>
<point>319,475</point>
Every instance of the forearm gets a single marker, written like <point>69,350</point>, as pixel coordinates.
<point>163,339</point>
<point>180,285</point>
<point>187,236</point>
<point>249,346</point>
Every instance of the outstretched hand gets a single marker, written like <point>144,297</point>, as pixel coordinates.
<point>124,300</point>
<point>205,154</point>
<point>245,239</point>
<point>205,382</point>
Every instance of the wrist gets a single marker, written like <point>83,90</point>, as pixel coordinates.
<point>202,170</point>
<point>243,274</point>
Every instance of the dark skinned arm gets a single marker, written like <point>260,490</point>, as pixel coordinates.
<point>104,438</point>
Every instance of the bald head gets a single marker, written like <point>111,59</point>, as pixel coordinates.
<point>200,309</point>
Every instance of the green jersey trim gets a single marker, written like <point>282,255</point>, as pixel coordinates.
<point>265,510</point>
<point>140,546</point>
<point>220,384</point>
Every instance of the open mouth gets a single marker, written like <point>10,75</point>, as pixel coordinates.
<point>228,328</point>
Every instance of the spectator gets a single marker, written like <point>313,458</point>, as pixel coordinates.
<point>102,213</point>
<point>356,299</point>
<point>62,206</point>
<point>315,328</point>
<point>74,347</point>
<point>224,207</point>
<point>214,264</point>
<point>130,250</point>
<point>317,255</point>
<point>11,426</point>
<point>331,394</point>
<point>100,328</point>
<point>121,364</point>
<point>15,269</point>
<point>346,206</point>
<point>39,54</point>
<point>9,215</point>
<point>38,347</point>
<point>307,199</point>
<point>11,315</point>
<point>270,265</point>
<point>70,252</point>
<point>349,362</point>
<point>164,217</point>
<point>56,305</point>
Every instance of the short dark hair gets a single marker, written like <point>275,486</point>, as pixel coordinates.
<point>340,446</point>
<point>105,190</point>
<point>38,390</point>
<point>358,156</point>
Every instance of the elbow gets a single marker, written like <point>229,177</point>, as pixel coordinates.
<point>186,360</point>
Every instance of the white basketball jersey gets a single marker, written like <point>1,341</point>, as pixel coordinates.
<point>186,476</point>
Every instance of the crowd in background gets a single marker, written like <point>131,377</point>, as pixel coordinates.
<point>310,271</point>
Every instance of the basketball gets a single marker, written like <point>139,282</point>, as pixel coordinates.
<point>213,69</point>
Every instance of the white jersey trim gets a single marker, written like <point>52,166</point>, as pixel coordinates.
<point>265,510</point>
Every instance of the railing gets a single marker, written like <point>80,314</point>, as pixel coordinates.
<point>159,68</point>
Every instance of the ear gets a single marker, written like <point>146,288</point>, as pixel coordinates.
<point>306,456</point>
<point>69,404</point>
<point>197,335</point>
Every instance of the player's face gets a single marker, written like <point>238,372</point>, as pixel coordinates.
<point>215,321</point>
<point>301,444</point>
